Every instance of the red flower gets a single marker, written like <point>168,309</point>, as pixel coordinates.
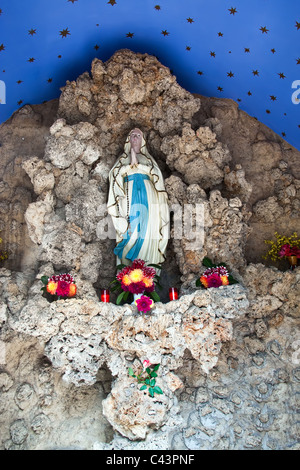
<point>63,289</point>
<point>214,281</point>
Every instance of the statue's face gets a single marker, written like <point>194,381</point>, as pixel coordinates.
<point>136,136</point>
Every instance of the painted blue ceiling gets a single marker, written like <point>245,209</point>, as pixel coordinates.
<point>240,49</point>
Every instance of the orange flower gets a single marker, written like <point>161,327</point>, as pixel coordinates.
<point>203,280</point>
<point>73,290</point>
<point>126,281</point>
<point>148,282</point>
<point>51,287</point>
<point>224,280</point>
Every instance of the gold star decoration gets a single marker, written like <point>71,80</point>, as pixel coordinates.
<point>1,11</point>
<point>200,72</point>
<point>220,88</point>
<point>31,32</point>
<point>165,32</point>
<point>31,59</point>
<point>249,93</point>
<point>281,75</point>
<point>273,51</point>
<point>72,1</point>
<point>190,20</point>
<point>64,33</point>
<point>283,134</point>
<point>298,61</point>
<point>212,54</point>
<point>220,34</point>
<point>268,111</point>
<point>2,47</point>
<point>19,81</point>
<point>20,102</point>
<point>157,7</point>
<point>96,47</point>
<point>232,11</point>
<point>230,74</point>
<point>264,29</point>
<point>49,80</point>
<point>273,98</point>
<point>297,25</point>
<point>187,48</point>
<point>255,72</point>
<point>246,49</point>
<point>129,35</point>
<point>112,2</point>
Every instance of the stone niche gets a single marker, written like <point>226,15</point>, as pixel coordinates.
<point>65,227</point>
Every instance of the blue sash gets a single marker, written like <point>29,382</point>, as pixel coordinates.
<point>138,216</point>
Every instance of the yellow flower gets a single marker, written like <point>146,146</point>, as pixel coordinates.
<point>224,280</point>
<point>136,275</point>
<point>125,279</point>
<point>73,290</point>
<point>51,287</point>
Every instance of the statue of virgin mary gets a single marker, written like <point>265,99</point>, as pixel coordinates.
<point>138,204</point>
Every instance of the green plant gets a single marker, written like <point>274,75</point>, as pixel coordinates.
<point>148,378</point>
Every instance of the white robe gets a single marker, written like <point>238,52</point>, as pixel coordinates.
<point>119,204</point>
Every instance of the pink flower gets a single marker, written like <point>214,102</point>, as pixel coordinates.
<point>285,250</point>
<point>214,281</point>
<point>144,304</point>
<point>146,363</point>
<point>63,288</point>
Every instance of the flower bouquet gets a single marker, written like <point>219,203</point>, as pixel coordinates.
<point>215,275</point>
<point>136,279</point>
<point>283,247</point>
<point>60,285</point>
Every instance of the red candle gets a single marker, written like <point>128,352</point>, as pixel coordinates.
<point>105,295</point>
<point>173,293</point>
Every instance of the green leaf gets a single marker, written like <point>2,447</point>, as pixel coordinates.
<point>153,374</point>
<point>152,382</point>
<point>156,367</point>
<point>157,266</point>
<point>198,283</point>
<point>143,387</point>
<point>232,280</point>
<point>120,266</point>
<point>147,381</point>
<point>154,295</point>
<point>158,390</point>
<point>44,279</point>
<point>207,262</point>
<point>120,297</point>
<point>130,372</point>
<point>151,392</point>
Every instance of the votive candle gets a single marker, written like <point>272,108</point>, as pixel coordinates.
<point>173,293</point>
<point>105,295</point>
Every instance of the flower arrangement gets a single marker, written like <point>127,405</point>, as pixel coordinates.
<point>147,377</point>
<point>215,275</point>
<point>136,279</point>
<point>283,247</point>
<point>60,285</point>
